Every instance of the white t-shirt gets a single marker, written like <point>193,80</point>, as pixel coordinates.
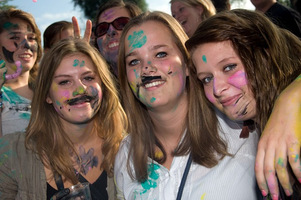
<point>16,112</point>
<point>232,179</point>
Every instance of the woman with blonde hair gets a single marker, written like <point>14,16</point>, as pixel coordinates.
<point>74,132</point>
<point>190,13</point>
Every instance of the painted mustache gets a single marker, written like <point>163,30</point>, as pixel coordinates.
<point>78,100</point>
<point>147,79</point>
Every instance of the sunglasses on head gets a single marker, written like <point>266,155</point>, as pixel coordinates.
<point>103,27</point>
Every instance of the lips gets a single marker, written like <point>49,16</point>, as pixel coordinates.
<point>151,81</point>
<point>230,100</point>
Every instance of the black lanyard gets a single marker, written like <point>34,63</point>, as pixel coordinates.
<point>184,178</point>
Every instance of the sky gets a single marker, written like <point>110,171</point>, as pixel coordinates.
<point>46,12</point>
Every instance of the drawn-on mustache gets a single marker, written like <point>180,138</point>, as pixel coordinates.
<point>84,98</point>
<point>147,79</point>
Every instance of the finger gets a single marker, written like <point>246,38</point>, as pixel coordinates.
<point>281,169</point>
<point>269,171</point>
<point>76,29</point>
<point>259,169</point>
<point>88,31</point>
<point>294,159</point>
<point>60,194</point>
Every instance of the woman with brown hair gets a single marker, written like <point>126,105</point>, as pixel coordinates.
<point>241,63</point>
<point>20,41</point>
<point>76,126</point>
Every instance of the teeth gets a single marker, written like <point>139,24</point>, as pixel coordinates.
<point>115,44</point>
<point>153,84</point>
<point>24,56</point>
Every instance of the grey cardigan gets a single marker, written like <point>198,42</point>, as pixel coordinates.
<point>22,174</point>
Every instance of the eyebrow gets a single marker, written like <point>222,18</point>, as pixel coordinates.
<point>67,75</point>
<point>151,48</point>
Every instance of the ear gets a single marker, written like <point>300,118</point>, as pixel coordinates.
<point>49,100</point>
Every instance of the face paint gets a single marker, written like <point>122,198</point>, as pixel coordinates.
<point>78,91</point>
<point>9,56</point>
<point>153,99</point>
<point>204,59</point>
<point>137,40</point>
<point>77,63</point>
<point>238,79</point>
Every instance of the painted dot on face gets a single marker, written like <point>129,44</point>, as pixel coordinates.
<point>136,73</point>
<point>153,99</point>
<point>238,79</point>
<point>75,63</point>
<point>204,59</point>
<point>137,40</point>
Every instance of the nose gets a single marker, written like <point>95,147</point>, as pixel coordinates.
<point>24,44</point>
<point>80,89</point>
<point>148,68</point>
<point>111,31</point>
<point>219,86</point>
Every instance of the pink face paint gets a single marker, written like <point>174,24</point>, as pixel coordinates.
<point>17,73</point>
<point>210,97</point>
<point>34,1</point>
<point>238,79</point>
<point>108,14</point>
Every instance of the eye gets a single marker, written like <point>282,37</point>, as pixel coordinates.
<point>134,62</point>
<point>230,67</point>
<point>89,78</point>
<point>64,82</point>
<point>161,54</point>
<point>206,80</point>
<point>14,37</point>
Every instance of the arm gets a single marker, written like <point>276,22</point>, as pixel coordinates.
<point>280,142</point>
<point>76,29</point>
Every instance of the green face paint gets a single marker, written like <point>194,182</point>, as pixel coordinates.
<point>78,91</point>
<point>76,63</point>
<point>137,40</point>
<point>204,59</point>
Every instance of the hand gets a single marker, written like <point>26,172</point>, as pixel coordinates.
<point>88,31</point>
<point>60,194</point>
<point>280,142</point>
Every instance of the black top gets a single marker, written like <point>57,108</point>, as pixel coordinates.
<point>285,17</point>
<point>98,189</point>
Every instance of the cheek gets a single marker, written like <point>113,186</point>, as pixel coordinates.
<point>238,79</point>
<point>100,45</point>
<point>209,95</point>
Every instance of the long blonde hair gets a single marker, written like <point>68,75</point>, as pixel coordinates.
<point>45,134</point>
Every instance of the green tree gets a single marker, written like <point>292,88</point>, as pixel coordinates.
<point>4,4</point>
<point>90,7</point>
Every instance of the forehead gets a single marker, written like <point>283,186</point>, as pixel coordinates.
<point>16,24</point>
<point>145,32</point>
<point>75,61</point>
<point>113,13</point>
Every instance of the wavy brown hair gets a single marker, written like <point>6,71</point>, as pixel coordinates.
<point>45,134</point>
<point>12,13</point>
<point>270,55</point>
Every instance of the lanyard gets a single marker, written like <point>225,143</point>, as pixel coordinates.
<point>183,181</point>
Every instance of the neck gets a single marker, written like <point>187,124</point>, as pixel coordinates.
<point>169,124</point>
<point>80,134</point>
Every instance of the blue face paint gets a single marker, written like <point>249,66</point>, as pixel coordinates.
<point>137,40</point>
<point>204,59</point>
